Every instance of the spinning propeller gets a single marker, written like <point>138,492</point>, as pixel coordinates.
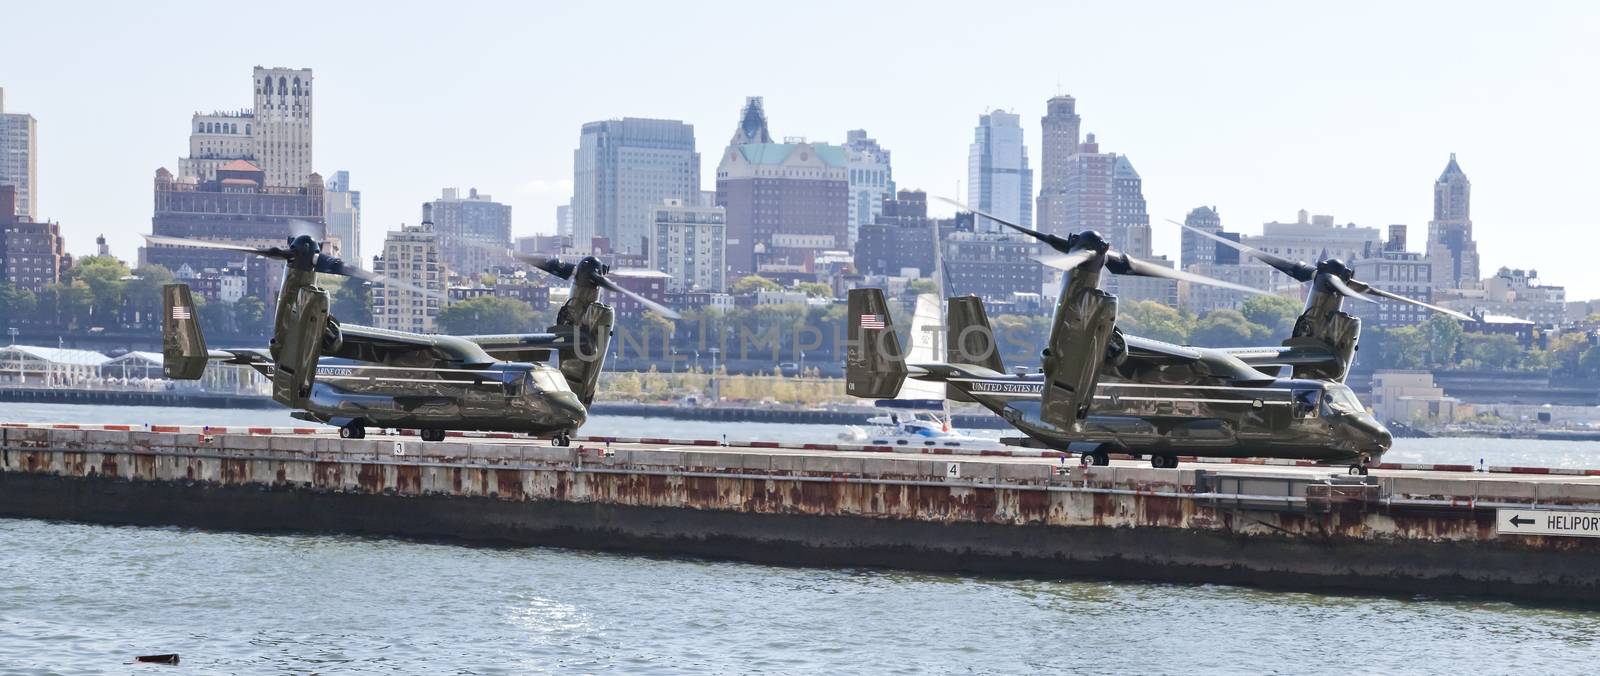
<point>1075,250</point>
<point>1329,276</point>
<point>303,253</point>
<point>591,271</point>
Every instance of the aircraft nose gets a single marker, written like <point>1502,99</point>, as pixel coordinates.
<point>1379,436</point>
<point>566,404</point>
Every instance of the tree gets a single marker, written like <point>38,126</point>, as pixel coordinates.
<point>16,304</point>
<point>815,289</point>
<point>1224,328</point>
<point>102,278</point>
<point>1442,334</point>
<point>917,287</point>
<point>1150,319</point>
<point>1277,313</point>
<point>754,283</point>
<point>1400,348</point>
<point>250,316</point>
<point>1492,351</point>
<point>351,301</point>
<point>487,315</point>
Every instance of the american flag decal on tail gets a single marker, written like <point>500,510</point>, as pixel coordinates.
<point>871,321</point>
<point>181,312</point>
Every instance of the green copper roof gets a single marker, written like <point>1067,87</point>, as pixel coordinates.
<point>778,153</point>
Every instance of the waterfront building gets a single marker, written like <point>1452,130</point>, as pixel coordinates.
<point>1517,294</point>
<point>1450,243</point>
<point>410,255</point>
<point>999,180</point>
<point>19,158</point>
<point>1060,134</point>
<point>901,240</point>
<point>237,207</point>
<point>690,246</point>
<point>622,170</point>
<point>342,211</point>
<point>473,231</point>
<point>786,202</point>
<point>871,180</point>
<point>1314,238</point>
<point>1197,249</point>
<point>216,139</point>
<point>1397,270</point>
<point>32,253</point>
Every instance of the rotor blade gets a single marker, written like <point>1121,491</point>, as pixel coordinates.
<point>268,251</point>
<point>659,309</point>
<point>1343,289</point>
<point>1066,261</point>
<point>347,270</point>
<point>1055,242</point>
<point>1295,269</point>
<point>549,264</point>
<point>1395,296</point>
<point>1122,264</point>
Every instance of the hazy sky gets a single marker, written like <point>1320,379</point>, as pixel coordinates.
<point>1260,109</point>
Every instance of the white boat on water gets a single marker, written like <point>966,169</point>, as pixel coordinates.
<point>919,415</point>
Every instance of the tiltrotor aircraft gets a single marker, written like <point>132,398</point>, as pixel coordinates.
<point>357,377</point>
<point>1116,392</point>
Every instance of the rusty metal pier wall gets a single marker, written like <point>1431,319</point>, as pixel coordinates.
<point>1294,529</point>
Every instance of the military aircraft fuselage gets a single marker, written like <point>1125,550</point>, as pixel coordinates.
<point>501,396</point>
<point>1282,418</point>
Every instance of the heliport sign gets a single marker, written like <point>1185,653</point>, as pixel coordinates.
<point>1559,522</point>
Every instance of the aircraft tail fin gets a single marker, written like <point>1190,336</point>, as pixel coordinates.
<point>875,366</point>
<point>970,339</point>
<point>183,347</point>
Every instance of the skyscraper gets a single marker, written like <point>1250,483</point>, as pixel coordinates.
<point>622,170</point>
<point>998,178</point>
<point>282,125</point>
<point>19,158</point>
<point>1450,246</point>
<point>473,232</point>
<point>216,139</point>
<point>1059,139</point>
<point>343,213</point>
<point>871,179</point>
<point>786,202</point>
<point>1197,249</point>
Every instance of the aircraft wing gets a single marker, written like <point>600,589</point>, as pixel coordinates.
<point>1157,351</point>
<point>366,343</point>
<point>1223,363</point>
<point>524,347</point>
<point>1293,353</point>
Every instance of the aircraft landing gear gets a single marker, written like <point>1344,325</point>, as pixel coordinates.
<point>353,430</point>
<point>1361,467</point>
<point>562,439</point>
<point>1164,461</point>
<point>431,435</point>
<point>1098,456</point>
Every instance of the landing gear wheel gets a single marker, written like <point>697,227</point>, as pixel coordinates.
<point>353,431</point>
<point>431,435</point>
<point>1098,457</point>
<point>561,439</point>
<point>1163,461</point>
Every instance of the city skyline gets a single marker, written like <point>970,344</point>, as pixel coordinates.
<point>1271,110</point>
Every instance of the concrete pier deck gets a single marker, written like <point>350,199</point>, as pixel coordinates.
<point>1440,530</point>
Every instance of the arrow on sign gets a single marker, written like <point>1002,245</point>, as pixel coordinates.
<point>1519,521</point>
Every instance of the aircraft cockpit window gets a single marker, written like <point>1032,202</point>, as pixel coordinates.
<point>1306,402</point>
<point>1343,400</point>
<point>547,380</point>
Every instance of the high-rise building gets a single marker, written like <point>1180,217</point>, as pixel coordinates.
<point>282,125</point>
<point>1312,238</point>
<point>998,178</point>
<point>1103,192</point>
<point>1399,271</point>
<point>900,242</point>
<point>564,221</point>
<point>622,170</point>
<point>32,254</point>
<point>1450,244</point>
<point>1197,249</point>
<point>690,246</point>
<point>216,139</point>
<point>19,158</point>
<point>871,179</point>
<point>786,202</point>
<point>1060,134</point>
<point>343,214</point>
<point>473,231</point>
<point>410,255</point>
<point>237,207</point>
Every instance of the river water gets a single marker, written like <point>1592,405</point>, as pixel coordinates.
<point>85,599</point>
